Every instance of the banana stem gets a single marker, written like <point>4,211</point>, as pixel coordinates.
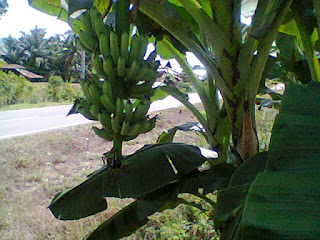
<point>117,145</point>
<point>122,17</point>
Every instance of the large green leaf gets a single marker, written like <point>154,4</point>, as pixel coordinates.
<point>216,178</point>
<point>51,7</point>
<point>149,169</point>
<point>232,199</point>
<point>281,202</point>
<point>283,205</point>
<point>295,136</point>
<point>81,201</point>
<point>135,215</point>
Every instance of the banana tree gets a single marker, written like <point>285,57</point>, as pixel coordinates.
<point>236,64</point>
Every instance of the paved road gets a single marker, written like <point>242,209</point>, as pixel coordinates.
<point>28,121</point>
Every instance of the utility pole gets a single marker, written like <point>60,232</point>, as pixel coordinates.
<point>83,64</point>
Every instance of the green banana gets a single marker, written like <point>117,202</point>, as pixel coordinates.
<point>119,109</point>
<point>142,88</point>
<point>100,27</point>
<point>97,64</point>
<point>135,130</point>
<point>108,68</point>
<point>104,44</point>
<point>114,47</point>
<point>145,95</point>
<point>83,47</point>
<point>142,72</point>
<point>121,67</point>
<point>116,126</point>
<point>134,49</point>
<point>105,120</point>
<point>151,76</point>
<point>152,56</point>
<point>85,88</point>
<point>124,46</point>
<point>152,123</point>
<point>95,93</point>
<point>155,65</point>
<point>107,103</point>
<point>133,71</point>
<point>81,106</point>
<point>128,111</point>
<point>125,128</point>
<point>107,89</point>
<point>87,40</point>
<point>94,110</point>
<point>142,48</point>
<point>96,80</point>
<point>103,133</point>
<point>94,15</point>
<point>141,110</point>
<point>86,22</point>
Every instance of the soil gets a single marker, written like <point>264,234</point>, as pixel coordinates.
<point>34,168</point>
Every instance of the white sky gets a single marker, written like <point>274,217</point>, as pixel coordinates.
<point>22,17</point>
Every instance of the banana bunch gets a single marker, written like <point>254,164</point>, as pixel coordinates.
<point>116,115</point>
<point>92,27</point>
<point>123,73</point>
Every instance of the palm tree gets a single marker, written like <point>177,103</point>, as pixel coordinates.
<point>35,50</point>
<point>66,60</point>
<point>11,51</point>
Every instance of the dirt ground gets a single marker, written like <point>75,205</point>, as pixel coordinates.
<point>34,168</point>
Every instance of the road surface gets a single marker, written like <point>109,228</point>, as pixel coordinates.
<point>29,121</point>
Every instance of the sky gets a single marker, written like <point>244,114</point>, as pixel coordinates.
<point>21,17</point>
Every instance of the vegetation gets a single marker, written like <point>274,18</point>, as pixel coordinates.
<point>57,55</point>
<point>3,7</point>
<point>18,91</point>
<point>238,60</point>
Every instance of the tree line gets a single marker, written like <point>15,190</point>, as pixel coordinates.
<point>56,55</point>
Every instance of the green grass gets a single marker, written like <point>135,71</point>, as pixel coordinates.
<point>20,106</point>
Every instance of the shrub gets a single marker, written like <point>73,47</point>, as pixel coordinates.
<point>58,90</point>
<point>14,89</point>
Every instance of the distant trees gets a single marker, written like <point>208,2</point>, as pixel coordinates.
<point>3,7</point>
<point>56,55</point>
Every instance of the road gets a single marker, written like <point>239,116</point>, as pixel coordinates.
<point>29,121</point>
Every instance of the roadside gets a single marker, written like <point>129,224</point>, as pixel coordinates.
<point>30,121</point>
<point>34,168</point>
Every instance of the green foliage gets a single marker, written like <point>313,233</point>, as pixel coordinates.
<point>58,90</point>
<point>56,55</point>
<point>274,195</point>
<point>247,208</point>
<point>3,7</point>
<point>14,89</point>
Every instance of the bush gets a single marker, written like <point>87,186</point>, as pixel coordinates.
<point>14,89</point>
<point>58,90</point>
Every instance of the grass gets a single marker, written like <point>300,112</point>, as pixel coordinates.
<point>34,168</point>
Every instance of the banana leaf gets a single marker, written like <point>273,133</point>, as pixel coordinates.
<point>148,169</point>
<point>135,215</point>
<point>280,198</point>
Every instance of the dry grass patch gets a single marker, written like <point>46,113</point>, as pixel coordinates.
<point>34,168</point>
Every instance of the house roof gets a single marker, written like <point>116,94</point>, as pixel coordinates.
<point>21,69</point>
<point>12,66</point>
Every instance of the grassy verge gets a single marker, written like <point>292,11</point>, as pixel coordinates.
<point>39,97</point>
<point>34,168</point>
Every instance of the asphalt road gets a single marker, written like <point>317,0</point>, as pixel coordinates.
<point>29,121</point>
